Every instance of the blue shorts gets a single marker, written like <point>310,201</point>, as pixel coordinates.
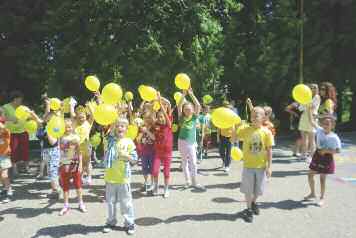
<point>52,155</point>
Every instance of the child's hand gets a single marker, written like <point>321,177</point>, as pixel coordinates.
<point>269,172</point>
<point>124,156</point>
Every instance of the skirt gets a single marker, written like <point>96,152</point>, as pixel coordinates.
<point>323,164</point>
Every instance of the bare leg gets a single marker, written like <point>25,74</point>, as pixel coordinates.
<point>311,181</point>
<point>322,188</point>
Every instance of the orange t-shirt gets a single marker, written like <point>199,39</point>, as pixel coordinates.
<point>5,143</point>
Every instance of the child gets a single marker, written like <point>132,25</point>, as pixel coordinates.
<point>188,117</point>
<point>204,134</point>
<point>145,141</point>
<point>50,156</point>
<point>163,146</point>
<point>257,150</point>
<point>293,110</point>
<point>70,166</point>
<point>117,178</point>
<point>328,144</point>
<point>267,121</point>
<point>82,127</point>
<point>5,161</point>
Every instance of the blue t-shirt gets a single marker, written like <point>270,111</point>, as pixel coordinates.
<point>327,141</point>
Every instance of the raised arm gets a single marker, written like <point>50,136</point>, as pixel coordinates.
<point>197,106</point>
<point>180,104</point>
<point>168,119</point>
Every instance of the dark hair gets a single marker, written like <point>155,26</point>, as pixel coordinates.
<point>16,94</point>
<point>330,93</point>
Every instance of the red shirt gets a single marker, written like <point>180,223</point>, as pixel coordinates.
<point>163,138</point>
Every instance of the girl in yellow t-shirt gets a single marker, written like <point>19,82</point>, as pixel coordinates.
<point>83,124</point>
<point>328,98</point>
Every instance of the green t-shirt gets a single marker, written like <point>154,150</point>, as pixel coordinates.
<point>15,128</point>
<point>188,129</point>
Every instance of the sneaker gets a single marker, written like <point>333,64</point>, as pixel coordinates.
<point>187,185</point>
<point>82,208</point>
<point>166,193</point>
<point>198,186</point>
<point>131,229</point>
<point>255,209</point>
<point>64,211</point>
<point>108,228</point>
<point>227,169</point>
<point>247,215</point>
<point>53,195</point>
<point>321,202</point>
<point>5,199</point>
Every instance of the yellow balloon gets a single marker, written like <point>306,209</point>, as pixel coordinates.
<point>92,83</point>
<point>207,99</point>
<point>55,104</point>
<point>147,93</point>
<point>56,127</point>
<point>31,126</point>
<point>156,106</point>
<point>224,118</point>
<point>95,140</point>
<point>112,93</point>
<point>129,96</point>
<point>182,81</point>
<point>236,153</point>
<point>132,132</point>
<point>105,114</point>
<point>174,128</point>
<point>302,94</point>
<point>177,97</point>
<point>22,112</point>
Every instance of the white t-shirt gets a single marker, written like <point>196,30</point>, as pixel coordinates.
<point>327,141</point>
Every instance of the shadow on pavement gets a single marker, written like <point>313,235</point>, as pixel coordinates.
<point>152,221</point>
<point>224,186</point>
<point>224,200</point>
<point>287,204</point>
<point>67,230</point>
<point>281,174</point>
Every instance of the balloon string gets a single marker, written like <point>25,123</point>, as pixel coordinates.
<point>246,111</point>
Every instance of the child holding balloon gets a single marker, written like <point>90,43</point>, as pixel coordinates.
<point>121,152</point>
<point>188,117</point>
<point>163,145</point>
<point>71,166</point>
<point>257,154</point>
<point>83,125</point>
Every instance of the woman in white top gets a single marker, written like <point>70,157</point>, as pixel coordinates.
<point>307,119</point>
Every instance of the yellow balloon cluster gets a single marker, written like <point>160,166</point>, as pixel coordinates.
<point>112,93</point>
<point>182,81</point>
<point>92,83</point>
<point>147,93</point>
<point>30,126</point>
<point>129,96</point>
<point>132,132</point>
<point>22,113</point>
<point>236,153</point>
<point>55,104</point>
<point>105,114</point>
<point>224,118</point>
<point>56,127</point>
<point>95,140</point>
<point>302,94</point>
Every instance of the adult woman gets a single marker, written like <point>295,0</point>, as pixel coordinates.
<point>307,120</point>
<point>19,137</point>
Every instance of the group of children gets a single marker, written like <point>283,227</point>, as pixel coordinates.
<point>69,157</point>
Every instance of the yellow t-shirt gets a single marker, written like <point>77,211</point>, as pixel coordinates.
<point>255,144</point>
<point>327,107</point>
<point>119,172</point>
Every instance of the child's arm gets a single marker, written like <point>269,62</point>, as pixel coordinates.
<point>80,167</point>
<point>180,104</point>
<point>51,140</point>
<point>249,104</point>
<point>197,106</point>
<point>35,117</point>
<point>72,111</point>
<point>168,119</point>
<point>90,118</point>
<point>269,162</point>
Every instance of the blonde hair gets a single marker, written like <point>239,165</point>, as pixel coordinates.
<point>123,121</point>
<point>268,111</point>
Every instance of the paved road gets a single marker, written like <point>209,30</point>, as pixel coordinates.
<point>191,213</point>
